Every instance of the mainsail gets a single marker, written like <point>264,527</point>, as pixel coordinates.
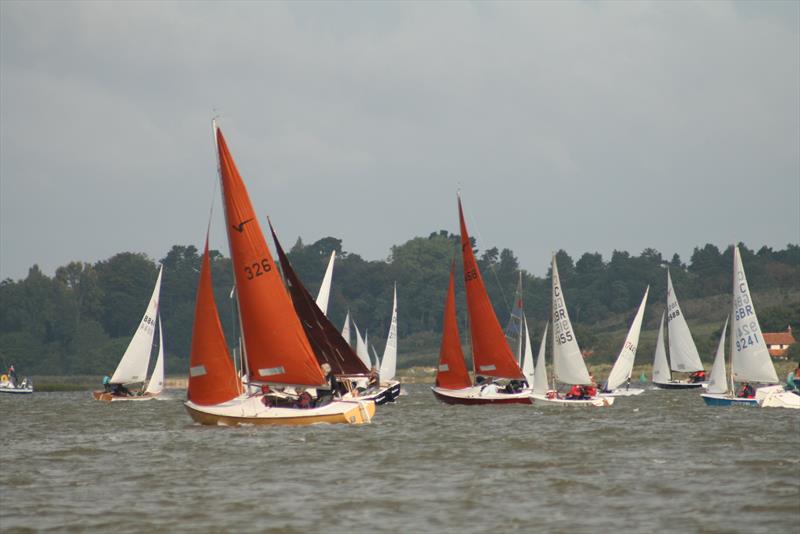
<point>623,366</point>
<point>132,367</point>
<point>490,351</point>
<point>388,365</point>
<point>682,352</point>
<point>328,344</point>
<point>212,377</point>
<point>325,288</point>
<point>452,372</point>
<point>568,364</point>
<point>750,360</point>
<point>661,372</point>
<point>274,341</point>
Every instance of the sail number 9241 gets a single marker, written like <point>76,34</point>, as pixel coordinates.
<point>257,269</point>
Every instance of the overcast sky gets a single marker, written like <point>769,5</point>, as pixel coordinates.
<point>585,126</point>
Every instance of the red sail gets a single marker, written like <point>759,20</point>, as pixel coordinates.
<point>212,378</point>
<point>490,352</point>
<point>452,372</point>
<point>328,344</point>
<point>276,347</point>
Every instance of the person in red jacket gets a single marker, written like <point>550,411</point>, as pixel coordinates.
<point>574,392</point>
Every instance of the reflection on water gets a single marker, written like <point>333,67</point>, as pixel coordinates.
<point>661,461</point>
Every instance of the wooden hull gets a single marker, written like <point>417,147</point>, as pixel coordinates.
<point>471,396</point>
<point>679,385</point>
<point>251,411</point>
<point>596,402</point>
<point>108,397</point>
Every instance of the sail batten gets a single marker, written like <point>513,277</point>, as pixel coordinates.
<point>490,351</point>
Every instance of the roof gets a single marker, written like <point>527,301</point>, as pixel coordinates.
<point>779,338</point>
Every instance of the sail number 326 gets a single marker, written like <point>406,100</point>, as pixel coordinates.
<point>257,269</point>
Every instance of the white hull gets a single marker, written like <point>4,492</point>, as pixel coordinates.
<point>622,393</point>
<point>599,402</point>
<point>251,410</point>
<point>777,397</point>
<point>17,391</point>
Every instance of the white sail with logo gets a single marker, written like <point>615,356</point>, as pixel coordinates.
<point>388,365</point>
<point>540,385</point>
<point>623,366</point>
<point>661,372</point>
<point>718,379</point>
<point>568,364</point>
<point>156,384</point>
<point>132,367</point>
<point>325,288</point>
<point>682,350</point>
<point>527,355</point>
<point>750,360</point>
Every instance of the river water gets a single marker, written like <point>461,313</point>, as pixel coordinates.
<point>659,462</point>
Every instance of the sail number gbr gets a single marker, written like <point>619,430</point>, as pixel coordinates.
<point>257,269</point>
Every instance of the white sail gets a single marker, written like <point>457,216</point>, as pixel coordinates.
<point>377,364</point>
<point>388,366</point>
<point>718,379</point>
<point>568,364</point>
<point>682,352</point>
<point>750,361</point>
<point>361,347</point>
<point>623,367</point>
<point>540,374</point>
<point>527,354</point>
<point>325,289</point>
<point>346,328</point>
<point>156,384</point>
<point>133,365</point>
<point>661,372</point>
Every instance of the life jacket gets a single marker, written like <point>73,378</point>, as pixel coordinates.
<point>590,391</point>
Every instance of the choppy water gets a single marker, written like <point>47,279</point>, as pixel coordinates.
<point>659,462</point>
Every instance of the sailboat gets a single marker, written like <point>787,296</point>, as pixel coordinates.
<point>491,356</point>
<point>568,365</point>
<point>277,351</point>
<point>328,344</point>
<point>388,363</point>
<point>750,360</point>
<point>132,367</point>
<point>623,366</point>
<point>683,355</point>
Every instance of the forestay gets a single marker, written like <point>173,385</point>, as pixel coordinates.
<point>133,365</point>
<point>750,360</point>
<point>568,364</point>
<point>682,351</point>
<point>623,367</point>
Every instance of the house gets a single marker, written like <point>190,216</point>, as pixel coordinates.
<point>778,343</point>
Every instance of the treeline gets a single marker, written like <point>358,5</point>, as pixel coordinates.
<point>80,320</point>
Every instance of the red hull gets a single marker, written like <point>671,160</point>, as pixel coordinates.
<point>458,400</point>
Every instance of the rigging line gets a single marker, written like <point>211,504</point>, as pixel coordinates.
<point>474,224</point>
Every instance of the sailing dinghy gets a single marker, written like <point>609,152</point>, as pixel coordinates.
<point>750,360</point>
<point>568,365</point>
<point>683,355</point>
<point>277,351</point>
<point>491,356</point>
<point>132,367</point>
<point>623,366</point>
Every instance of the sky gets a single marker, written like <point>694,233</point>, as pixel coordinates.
<point>583,126</point>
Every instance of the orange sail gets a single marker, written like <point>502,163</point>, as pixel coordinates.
<point>490,351</point>
<point>212,378</point>
<point>452,372</point>
<point>276,347</point>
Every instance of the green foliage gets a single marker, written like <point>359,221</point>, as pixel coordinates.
<point>80,320</point>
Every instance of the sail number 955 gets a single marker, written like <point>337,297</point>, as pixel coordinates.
<point>257,269</point>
